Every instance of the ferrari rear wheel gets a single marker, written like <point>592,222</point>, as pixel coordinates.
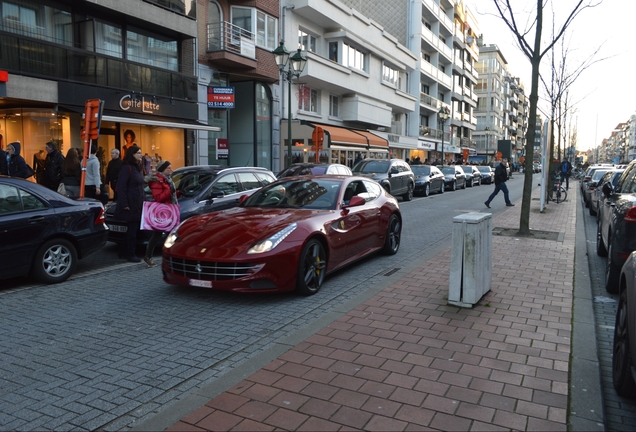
<point>311,268</point>
<point>393,235</point>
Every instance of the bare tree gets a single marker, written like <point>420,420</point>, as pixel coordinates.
<point>534,52</point>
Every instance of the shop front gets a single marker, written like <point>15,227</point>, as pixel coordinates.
<point>425,151</point>
<point>340,145</point>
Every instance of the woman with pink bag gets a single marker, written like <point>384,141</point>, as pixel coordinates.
<point>163,191</point>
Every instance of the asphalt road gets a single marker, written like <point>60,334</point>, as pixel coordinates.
<point>114,345</point>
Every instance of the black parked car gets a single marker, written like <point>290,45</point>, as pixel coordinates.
<point>428,179</point>
<point>454,177</point>
<point>314,169</point>
<point>616,225</point>
<point>624,347</point>
<point>473,176</point>
<point>596,196</point>
<point>487,174</point>
<point>201,189</point>
<point>43,234</point>
<point>394,175</point>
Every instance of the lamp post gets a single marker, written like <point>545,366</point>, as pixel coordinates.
<point>442,116</point>
<point>487,130</point>
<point>289,67</point>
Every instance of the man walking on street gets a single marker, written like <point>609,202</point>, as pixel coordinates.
<point>566,168</point>
<point>501,176</point>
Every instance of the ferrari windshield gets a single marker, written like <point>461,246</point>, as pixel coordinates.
<point>306,193</point>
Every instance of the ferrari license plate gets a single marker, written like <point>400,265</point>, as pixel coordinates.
<point>118,228</point>
<point>200,283</point>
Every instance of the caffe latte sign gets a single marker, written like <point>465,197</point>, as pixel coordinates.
<point>138,103</point>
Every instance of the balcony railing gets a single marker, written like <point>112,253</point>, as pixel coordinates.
<point>429,132</point>
<point>48,60</point>
<point>430,101</point>
<point>225,36</point>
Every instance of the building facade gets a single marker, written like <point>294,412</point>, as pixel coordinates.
<point>138,56</point>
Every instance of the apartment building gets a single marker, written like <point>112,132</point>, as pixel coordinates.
<point>138,56</point>
<point>354,86</point>
<point>236,74</point>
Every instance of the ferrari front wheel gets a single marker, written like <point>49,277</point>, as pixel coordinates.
<point>311,268</point>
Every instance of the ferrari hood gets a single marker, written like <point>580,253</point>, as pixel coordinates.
<point>238,227</point>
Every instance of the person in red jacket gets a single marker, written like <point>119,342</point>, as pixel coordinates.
<point>163,191</point>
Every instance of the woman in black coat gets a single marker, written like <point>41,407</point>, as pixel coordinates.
<point>130,200</point>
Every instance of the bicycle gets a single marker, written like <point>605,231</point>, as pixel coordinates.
<point>558,193</point>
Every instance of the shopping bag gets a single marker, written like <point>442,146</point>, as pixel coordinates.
<point>159,217</point>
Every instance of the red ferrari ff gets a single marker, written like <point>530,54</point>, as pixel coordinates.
<point>286,236</point>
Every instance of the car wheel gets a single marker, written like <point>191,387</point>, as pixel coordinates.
<point>454,186</point>
<point>311,268</point>
<point>442,188</point>
<point>393,235</point>
<point>408,196</point>
<point>612,272</point>
<point>621,352</point>
<point>587,203</point>
<point>427,190</point>
<point>592,211</point>
<point>464,185</point>
<point>600,246</point>
<point>479,182</point>
<point>54,262</point>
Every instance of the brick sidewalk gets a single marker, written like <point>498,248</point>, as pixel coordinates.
<point>405,360</point>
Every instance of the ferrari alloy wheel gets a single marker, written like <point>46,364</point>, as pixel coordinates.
<point>612,272</point>
<point>393,235</point>
<point>55,261</point>
<point>311,268</point>
<point>600,246</point>
<point>621,356</point>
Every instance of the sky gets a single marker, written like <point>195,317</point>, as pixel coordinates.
<point>602,96</point>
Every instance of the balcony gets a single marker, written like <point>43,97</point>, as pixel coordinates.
<point>231,46</point>
<point>430,101</point>
<point>429,132</point>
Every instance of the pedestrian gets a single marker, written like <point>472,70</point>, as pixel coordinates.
<point>358,159</point>
<point>501,176</point>
<point>566,169</point>
<point>72,170</point>
<point>3,159</point>
<point>130,201</point>
<point>16,166</point>
<point>93,181</point>
<point>146,164</point>
<point>39,166</point>
<point>112,171</point>
<point>53,168</point>
<point>163,191</point>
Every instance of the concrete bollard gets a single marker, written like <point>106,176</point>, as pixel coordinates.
<point>471,259</point>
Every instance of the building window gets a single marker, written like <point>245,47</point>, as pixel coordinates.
<point>333,51</point>
<point>427,57</point>
<point>353,58</point>
<point>307,98</point>
<point>258,23</point>
<point>390,75</point>
<point>151,50</point>
<point>334,106</point>
<point>425,88</point>
<point>306,42</point>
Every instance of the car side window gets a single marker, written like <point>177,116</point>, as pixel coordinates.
<point>373,190</point>
<point>265,178</point>
<point>226,184</point>
<point>14,200</point>
<point>626,183</point>
<point>249,181</point>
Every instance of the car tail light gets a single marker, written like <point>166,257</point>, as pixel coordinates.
<point>587,178</point>
<point>630,216</point>
<point>100,217</point>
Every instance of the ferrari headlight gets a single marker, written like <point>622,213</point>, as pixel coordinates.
<point>270,243</point>
<point>171,239</point>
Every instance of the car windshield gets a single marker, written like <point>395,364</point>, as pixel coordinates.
<point>598,174</point>
<point>372,167</point>
<point>421,170</point>
<point>448,170</point>
<point>190,183</point>
<point>467,169</point>
<point>308,193</point>
<point>484,169</point>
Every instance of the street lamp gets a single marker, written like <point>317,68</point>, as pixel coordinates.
<point>442,116</point>
<point>487,130</point>
<point>295,65</point>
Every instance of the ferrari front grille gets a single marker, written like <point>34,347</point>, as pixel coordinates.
<point>203,270</point>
